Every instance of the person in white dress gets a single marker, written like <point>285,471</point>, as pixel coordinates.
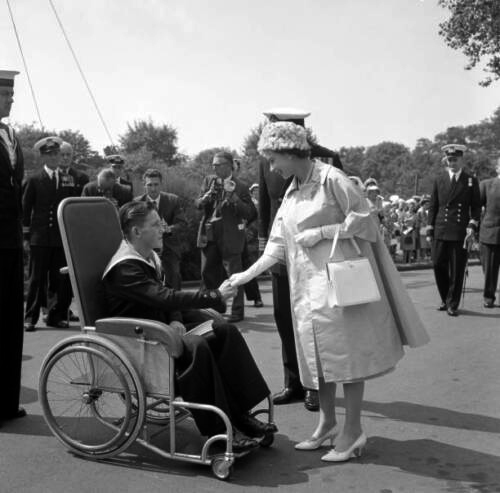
<point>334,345</point>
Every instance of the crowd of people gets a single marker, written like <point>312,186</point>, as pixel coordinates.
<point>303,202</point>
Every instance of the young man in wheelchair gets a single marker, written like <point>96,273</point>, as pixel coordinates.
<point>218,369</point>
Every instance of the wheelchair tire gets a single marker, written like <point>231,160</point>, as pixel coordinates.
<point>222,467</point>
<point>86,392</point>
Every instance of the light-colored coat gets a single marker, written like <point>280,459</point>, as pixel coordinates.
<point>352,343</point>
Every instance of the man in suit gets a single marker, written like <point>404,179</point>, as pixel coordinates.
<point>42,193</point>
<point>169,208</point>
<point>71,179</point>
<point>489,235</point>
<point>216,369</point>
<point>227,208</point>
<point>72,182</point>
<point>117,163</point>
<point>106,186</point>
<point>272,188</point>
<point>11,257</point>
<point>454,213</point>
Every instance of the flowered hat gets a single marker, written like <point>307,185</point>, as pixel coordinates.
<point>283,136</point>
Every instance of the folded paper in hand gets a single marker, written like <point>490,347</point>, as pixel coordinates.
<point>203,329</point>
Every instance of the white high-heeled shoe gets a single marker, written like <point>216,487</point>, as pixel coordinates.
<point>352,452</point>
<point>315,443</point>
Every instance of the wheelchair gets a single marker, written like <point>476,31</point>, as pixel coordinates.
<point>113,384</point>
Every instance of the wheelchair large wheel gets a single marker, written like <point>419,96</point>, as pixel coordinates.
<point>86,393</point>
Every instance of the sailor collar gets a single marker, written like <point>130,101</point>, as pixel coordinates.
<point>127,252</point>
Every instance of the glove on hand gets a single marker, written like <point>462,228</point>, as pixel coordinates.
<point>309,237</point>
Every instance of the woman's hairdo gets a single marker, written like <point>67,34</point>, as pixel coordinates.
<point>134,214</point>
<point>283,137</point>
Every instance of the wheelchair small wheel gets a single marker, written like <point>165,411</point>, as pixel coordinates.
<point>222,467</point>
<point>268,440</point>
<point>86,395</point>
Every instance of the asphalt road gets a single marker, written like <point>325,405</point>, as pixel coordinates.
<point>433,424</point>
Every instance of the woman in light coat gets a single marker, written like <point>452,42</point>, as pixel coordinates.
<point>334,345</point>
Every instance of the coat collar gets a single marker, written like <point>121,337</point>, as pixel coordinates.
<point>127,252</point>
<point>318,174</point>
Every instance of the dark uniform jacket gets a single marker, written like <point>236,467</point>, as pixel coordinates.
<point>489,231</point>
<point>40,201</point>
<point>73,182</point>
<point>11,197</point>
<point>171,212</point>
<point>229,231</point>
<point>120,193</point>
<point>134,287</point>
<point>453,209</point>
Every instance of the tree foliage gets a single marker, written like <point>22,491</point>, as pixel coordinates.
<point>159,140</point>
<point>474,28</point>
<point>84,156</point>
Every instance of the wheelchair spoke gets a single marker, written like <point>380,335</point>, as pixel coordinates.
<point>87,394</point>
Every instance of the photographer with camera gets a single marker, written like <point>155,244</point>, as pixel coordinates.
<point>226,206</point>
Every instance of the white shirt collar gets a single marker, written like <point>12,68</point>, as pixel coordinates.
<point>48,171</point>
<point>457,174</point>
<point>157,200</point>
<point>51,172</point>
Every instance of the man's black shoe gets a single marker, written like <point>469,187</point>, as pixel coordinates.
<point>442,307</point>
<point>288,395</point>
<point>20,413</point>
<point>452,312</point>
<point>311,400</point>
<point>253,427</point>
<point>62,324</point>
<point>241,443</point>
<point>232,319</point>
<point>258,304</point>
<point>489,304</point>
<point>29,327</point>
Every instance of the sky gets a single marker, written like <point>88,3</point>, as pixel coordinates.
<point>367,70</point>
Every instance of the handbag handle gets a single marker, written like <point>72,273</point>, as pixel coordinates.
<point>336,239</point>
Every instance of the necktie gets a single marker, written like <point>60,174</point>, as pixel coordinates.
<point>152,203</point>
<point>53,179</point>
<point>453,180</point>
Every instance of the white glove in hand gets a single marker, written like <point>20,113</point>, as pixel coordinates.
<point>227,290</point>
<point>253,271</point>
<point>309,237</point>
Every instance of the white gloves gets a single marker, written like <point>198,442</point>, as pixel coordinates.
<point>309,237</point>
<point>264,262</point>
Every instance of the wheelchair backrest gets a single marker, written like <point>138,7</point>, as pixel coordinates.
<point>91,234</point>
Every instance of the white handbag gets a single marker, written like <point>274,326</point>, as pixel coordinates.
<point>352,281</point>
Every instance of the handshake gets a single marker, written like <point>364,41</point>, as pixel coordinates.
<point>230,286</point>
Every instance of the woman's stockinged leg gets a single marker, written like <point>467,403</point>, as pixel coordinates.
<point>327,418</point>
<point>353,397</point>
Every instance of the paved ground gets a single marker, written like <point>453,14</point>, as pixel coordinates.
<point>433,425</point>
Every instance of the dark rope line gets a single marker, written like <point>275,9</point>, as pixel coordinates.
<point>25,65</point>
<point>82,73</point>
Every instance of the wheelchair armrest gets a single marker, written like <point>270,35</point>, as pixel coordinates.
<point>139,327</point>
